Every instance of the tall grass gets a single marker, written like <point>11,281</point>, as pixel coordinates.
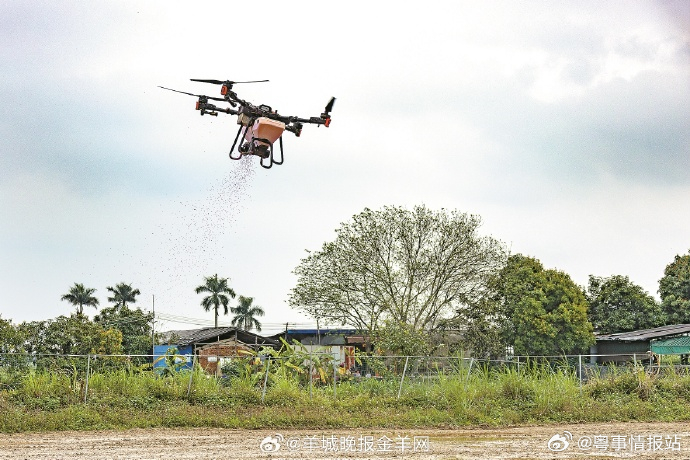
<point>534,393</point>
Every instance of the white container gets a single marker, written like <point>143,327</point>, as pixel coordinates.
<point>265,128</point>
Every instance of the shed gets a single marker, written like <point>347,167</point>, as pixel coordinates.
<point>627,346</point>
<point>213,356</point>
<point>341,343</point>
<point>673,346</point>
<point>201,342</point>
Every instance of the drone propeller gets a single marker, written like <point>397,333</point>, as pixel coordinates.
<point>195,95</point>
<point>222,82</point>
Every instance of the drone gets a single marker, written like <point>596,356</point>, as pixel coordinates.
<point>260,125</point>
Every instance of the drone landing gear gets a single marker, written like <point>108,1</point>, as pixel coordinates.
<point>262,148</point>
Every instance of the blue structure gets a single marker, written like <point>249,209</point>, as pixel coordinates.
<point>159,352</point>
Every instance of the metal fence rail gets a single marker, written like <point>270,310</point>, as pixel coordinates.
<point>323,369</point>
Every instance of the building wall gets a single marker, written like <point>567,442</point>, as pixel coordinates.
<point>619,351</point>
<point>212,357</point>
<point>159,352</point>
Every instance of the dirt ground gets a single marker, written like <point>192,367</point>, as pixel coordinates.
<point>612,440</point>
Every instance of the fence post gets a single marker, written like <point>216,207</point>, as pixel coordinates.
<point>335,376</point>
<point>311,377</point>
<point>88,371</point>
<point>191,376</point>
<point>579,368</point>
<point>263,392</point>
<point>407,358</point>
<point>469,371</point>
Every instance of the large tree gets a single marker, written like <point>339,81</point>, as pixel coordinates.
<point>674,289</point>
<point>407,266</point>
<point>12,342</point>
<point>53,341</point>
<point>246,313</point>
<point>123,294</point>
<point>618,305</point>
<point>134,324</point>
<point>81,297</point>
<point>219,294</point>
<point>11,339</point>
<point>543,312</point>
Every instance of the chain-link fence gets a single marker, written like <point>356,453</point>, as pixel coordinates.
<point>321,370</point>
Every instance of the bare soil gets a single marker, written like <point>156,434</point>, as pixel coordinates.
<point>610,440</point>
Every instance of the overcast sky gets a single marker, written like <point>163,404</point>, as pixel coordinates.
<point>564,125</point>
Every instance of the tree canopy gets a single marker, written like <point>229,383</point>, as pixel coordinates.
<point>219,294</point>
<point>618,305</point>
<point>674,289</point>
<point>408,266</point>
<point>543,312</point>
<point>134,324</point>
<point>81,297</point>
<point>123,294</point>
<point>246,313</point>
<point>67,335</point>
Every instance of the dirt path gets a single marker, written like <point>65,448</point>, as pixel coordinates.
<point>613,440</point>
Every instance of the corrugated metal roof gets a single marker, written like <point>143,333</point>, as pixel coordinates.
<point>213,334</point>
<point>646,334</point>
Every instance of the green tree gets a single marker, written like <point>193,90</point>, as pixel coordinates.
<point>543,312</point>
<point>12,346</point>
<point>618,305</point>
<point>674,289</point>
<point>219,294</point>
<point>245,314</point>
<point>411,267</point>
<point>479,325</point>
<point>134,324</point>
<point>73,335</point>
<point>123,294</point>
<point>81,297</point>
<point>400,339</point>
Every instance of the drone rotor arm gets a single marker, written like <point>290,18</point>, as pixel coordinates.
<point>195,95</point>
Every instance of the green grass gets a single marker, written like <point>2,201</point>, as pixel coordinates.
<point>488,397</point>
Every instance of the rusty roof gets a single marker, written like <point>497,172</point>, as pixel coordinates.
<point>214,334</point>
<point>646,334</point>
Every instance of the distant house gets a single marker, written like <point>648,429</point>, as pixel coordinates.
<point>639,345</point>
<point>341,343</point>
<point>211,345</point>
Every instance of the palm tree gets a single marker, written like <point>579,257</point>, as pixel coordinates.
<point>79,296</point>
<point>245,313</point>
<point>219,292</point>
<point>123,294</point>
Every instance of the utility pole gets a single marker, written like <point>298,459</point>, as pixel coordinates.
<point>153,328</point>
